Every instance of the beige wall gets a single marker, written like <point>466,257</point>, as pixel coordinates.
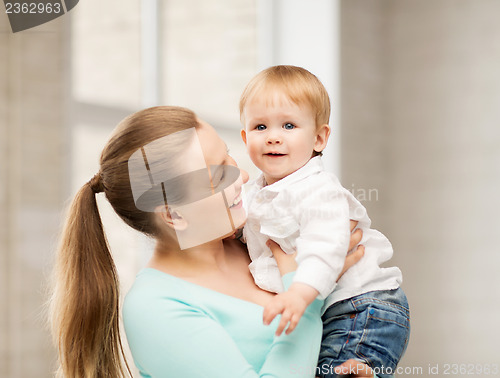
<point>420,123</point>
<point>33,73</point>
<point>63,87</point>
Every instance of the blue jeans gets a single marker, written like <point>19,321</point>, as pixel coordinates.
<point>373,328</point>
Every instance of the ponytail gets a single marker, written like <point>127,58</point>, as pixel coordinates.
<point>84,307</point>
<point>85,303</point>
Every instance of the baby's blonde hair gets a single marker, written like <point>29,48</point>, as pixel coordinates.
<point>297,83</point>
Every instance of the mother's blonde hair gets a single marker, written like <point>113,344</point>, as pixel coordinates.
<point>84,308</point>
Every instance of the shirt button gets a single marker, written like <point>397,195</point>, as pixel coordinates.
<point>372,311</point>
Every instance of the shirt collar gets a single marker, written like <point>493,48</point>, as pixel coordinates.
<point>314,165</point>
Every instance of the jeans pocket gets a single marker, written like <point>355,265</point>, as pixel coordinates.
<point>385,338</point>
<point>336,332</point>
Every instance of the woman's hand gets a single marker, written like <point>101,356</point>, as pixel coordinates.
<point>353,368</point>
<point>287,263</point>
<point>353,256</point>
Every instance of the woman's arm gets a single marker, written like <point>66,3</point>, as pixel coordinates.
<point>172,338</point>
<point>287,263</point>
<point>296,354</point>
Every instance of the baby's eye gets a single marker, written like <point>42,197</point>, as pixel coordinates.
<point>289,126</point>
<point>261,127</point>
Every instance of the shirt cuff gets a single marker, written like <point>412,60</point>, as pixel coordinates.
<point>315,306</point>
<point>317,276</point>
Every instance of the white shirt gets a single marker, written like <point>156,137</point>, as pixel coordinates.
<point>308,211</point>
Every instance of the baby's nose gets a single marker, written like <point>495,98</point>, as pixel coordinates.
<point>273,139</point>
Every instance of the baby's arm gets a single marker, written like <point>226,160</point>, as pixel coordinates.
<point>287,264</point>
<point>324,238</point>
<point>323,244</point>
<point>291,304</point>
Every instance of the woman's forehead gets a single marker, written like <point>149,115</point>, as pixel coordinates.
<point>214,148</point>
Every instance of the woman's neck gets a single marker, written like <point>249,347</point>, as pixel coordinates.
<point>205,258</point>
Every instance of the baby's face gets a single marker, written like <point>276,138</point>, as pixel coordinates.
<point>280,135</point>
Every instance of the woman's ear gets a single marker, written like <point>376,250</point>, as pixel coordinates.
<point>322,135</point>
<point>172,218</point>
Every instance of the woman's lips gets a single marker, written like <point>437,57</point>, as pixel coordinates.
<point>237,202</point>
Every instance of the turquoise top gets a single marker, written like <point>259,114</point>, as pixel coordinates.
<point>179,329</point>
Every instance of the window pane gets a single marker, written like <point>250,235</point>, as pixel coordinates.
<point>209,53</point>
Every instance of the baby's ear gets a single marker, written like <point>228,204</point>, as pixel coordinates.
<point>322,134</point>
<point>243,134</point>
<point>172,218</point>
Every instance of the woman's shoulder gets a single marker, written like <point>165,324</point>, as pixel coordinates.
<point>158,303</point>
<point>153,288</point>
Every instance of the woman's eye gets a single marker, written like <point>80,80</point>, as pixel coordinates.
<point>261,127</point>
<point>218,177</point>
<point>289,126</point>
<point>220,174</point>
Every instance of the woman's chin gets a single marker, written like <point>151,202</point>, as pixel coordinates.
<point>239,216</point>
<point>240,224</point>
<point>235,234</point>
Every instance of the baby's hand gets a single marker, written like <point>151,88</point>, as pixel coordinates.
<point>291,305</point>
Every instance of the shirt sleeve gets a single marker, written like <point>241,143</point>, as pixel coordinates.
<point>324,238</point>
<point>174,339</point>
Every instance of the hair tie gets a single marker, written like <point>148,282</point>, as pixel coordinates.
<point>96,183</point>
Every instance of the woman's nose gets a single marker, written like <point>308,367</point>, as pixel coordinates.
<point>244,175</point>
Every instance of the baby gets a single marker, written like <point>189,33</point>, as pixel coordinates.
<point>285,112</point>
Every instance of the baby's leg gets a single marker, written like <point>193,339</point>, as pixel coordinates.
<point>373,328</point>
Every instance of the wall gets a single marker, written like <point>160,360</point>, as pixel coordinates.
<point>420,94</point>
<point>420,91</point>
<point>63,87</point>
<point>33,71</point>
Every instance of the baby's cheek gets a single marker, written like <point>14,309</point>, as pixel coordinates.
<point>253,150</point>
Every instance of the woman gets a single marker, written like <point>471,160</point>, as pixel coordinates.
<point>194,310</point>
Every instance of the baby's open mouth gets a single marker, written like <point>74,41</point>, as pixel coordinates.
<point>274,154</point>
